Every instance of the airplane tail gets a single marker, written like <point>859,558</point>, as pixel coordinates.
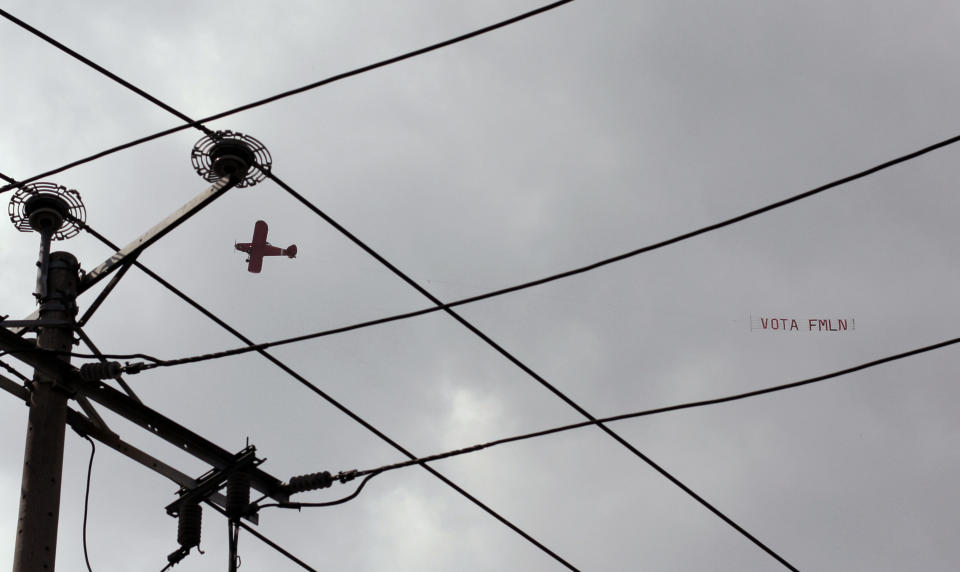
<point>291,251</point>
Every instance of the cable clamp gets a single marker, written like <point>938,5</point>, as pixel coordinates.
<point>132,368</point>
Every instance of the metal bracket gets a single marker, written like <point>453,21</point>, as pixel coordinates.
<point>21,330</point>
<point>133,249</point>
<point>211,481</point>
<point>137,413</point>
<point>30,324</point>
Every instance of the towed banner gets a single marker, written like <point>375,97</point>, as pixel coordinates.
<point>802,324</point>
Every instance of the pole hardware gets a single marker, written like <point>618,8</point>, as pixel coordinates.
<point>187,508</point>
<point>132,250</point>
<point>36,541</point>
<point>214,479</point>
<point>231,154</point>
<point>189,525</point>
<point>98,371</point>
<point>45,205</point>
<point>51,210</point>
<point>31,324</point>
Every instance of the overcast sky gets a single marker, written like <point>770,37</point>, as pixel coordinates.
<point>585,132</point>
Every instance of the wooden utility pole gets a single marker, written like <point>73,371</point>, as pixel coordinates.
<point>36,545</point>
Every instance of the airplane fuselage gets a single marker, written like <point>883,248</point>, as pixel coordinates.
<point>258,247</point>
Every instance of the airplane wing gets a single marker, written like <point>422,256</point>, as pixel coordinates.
<point>255,263</point>
<point>257,247</point>
<point>259,234</point>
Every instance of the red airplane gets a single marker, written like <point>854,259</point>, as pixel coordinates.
<point>259,248</point>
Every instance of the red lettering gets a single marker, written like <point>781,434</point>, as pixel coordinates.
<point>763,322</point>
<point>832,329</point>
<point>842,324</point>
<point>775,324</point>
<point>810,324</point>
<point>793,325</point>
<point>784,323</point>
<point>821,324</point>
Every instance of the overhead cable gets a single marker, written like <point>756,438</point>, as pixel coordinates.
<point>198,123</point>
<point>665,409</point>
<point>517,362</point>
<point>264,539</point>
<point>557,276</point>
<point>14,372</point>
<point>86,501</point>
<point>526,369</point>
<point>319,392</point>
<point>102,70</point>
<point>262,102</point>
<point>298,505</point>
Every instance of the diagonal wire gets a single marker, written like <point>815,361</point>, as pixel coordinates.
<point>264,539</point>
<point>665,409</point>
<point>566,273</point>
<point>419,288</point>
<point>525,368</point>
<point>357,71</point>
<point>14,372</point>
<point>335,403</point>
<point>103,359</point>
<point>317,84</point>
<point>423,291</point>
<point>102,70</point>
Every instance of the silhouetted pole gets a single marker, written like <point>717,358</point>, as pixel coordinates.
<point>36,546</point>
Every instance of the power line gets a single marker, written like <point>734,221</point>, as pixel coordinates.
<point>351,496</point>
<point>86,502</point>
<point>14,372</point>
<point>464,322</point>
<point>102,70</point>
<point>560,275</point>
<point>292,92</point>
<point>197,123</point>
<point>658,410</point>
<point>335,403</point>
<point>264,539</point>
<point>526,369</point>
<point>423,291</point>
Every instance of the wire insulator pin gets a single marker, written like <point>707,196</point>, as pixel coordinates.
<point>98,371</point>
<point>311,482</point>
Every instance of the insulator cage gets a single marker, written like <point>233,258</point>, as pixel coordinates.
<point>238,493</point>
<point>98,371</point>
<point>47,207</point>
<point>189,524</point>
<point>228,153</point>
<point>310,482</point>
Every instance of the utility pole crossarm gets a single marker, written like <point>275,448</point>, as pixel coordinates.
<point>85,426</point>
<point>138,245</point>
<point>119,403</point>
<point>28,321</point>
<point>14,388</point>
